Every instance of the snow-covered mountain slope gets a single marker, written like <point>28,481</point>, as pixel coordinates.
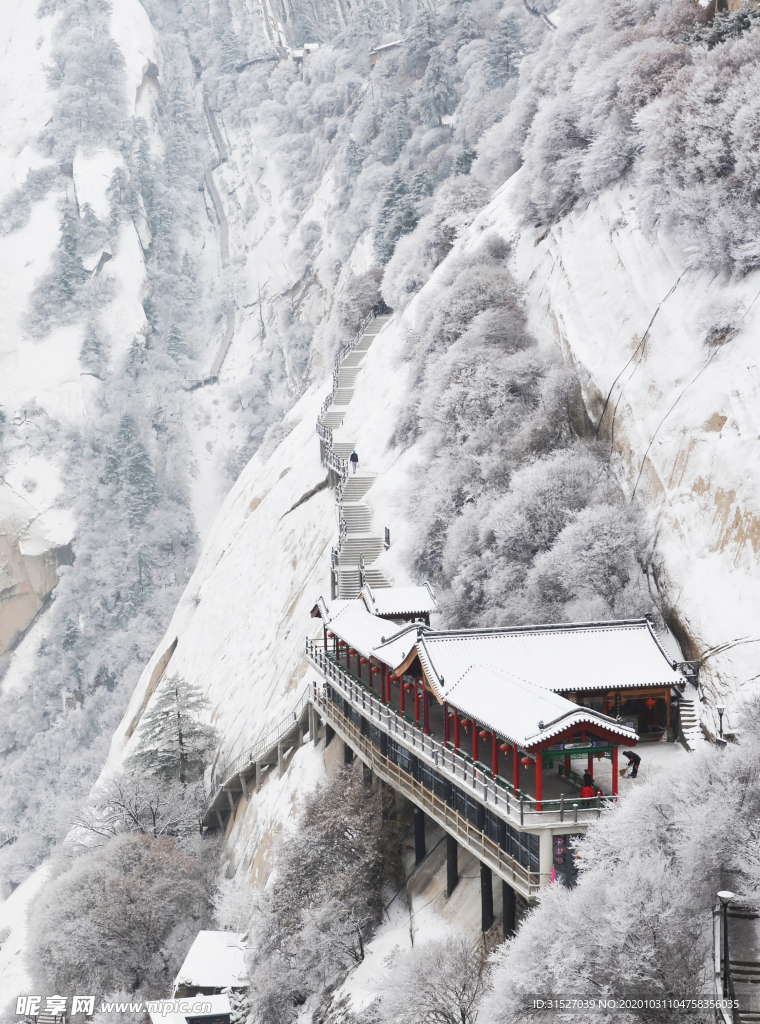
<point>668,364</point>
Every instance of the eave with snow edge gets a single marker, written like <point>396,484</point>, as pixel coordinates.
<point>514,680</point>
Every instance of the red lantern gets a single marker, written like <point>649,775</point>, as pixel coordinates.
<point>527,761</point>
<point>505,748</point>
<point>484,734</point>
<point>452,715</point>
<point>408,687</point>
<point>650,703</point>
<point>374,670</point>
<point>363,661</point>
<point>465,723</point>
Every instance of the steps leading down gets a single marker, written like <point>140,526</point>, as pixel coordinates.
<point>358,547</point>
<point>691,731</point>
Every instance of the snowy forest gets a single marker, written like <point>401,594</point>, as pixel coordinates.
<point>270,187</point>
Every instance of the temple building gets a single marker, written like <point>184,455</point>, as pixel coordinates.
<point>491,731</point>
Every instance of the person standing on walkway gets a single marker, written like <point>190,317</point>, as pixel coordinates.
<point>354,460</point>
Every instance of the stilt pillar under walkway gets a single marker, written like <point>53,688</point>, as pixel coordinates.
<point>452,864</point>
<point>348,754</point>
<point>419,835</point>
<point>486,897</point>
<point>509,909</point>
<point>329,733</point>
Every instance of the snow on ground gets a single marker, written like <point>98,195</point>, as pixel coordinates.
<point>14,978</point>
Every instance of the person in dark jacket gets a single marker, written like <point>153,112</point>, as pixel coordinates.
<point>633,759</point>
<point>354,460</point>
<point>588,779</point>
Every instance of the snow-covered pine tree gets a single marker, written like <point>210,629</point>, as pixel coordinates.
<point>421,186</point>
<point>172,741</point>
<point>438,97</point>
<point>240,1005</point>
<point>505,52</point>
<point>398,216</point>
<point>419,39</point>
<point>92,354</point>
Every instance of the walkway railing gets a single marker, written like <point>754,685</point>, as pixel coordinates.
<point>250,756</point>
<point>513,806</point>
<point>488,852</point>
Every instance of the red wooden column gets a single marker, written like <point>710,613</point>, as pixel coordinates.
<point>474,740</point>
<point>494,755</point>
<point>401,694</point>
<point>416,705</point>
<point>567,767</point>
<point>539,781</point>
<point>591,765</point>
<point>446,723</point>
<point>614,770</point>
<point>515,768</point>
<point>456,728</point>
<point>384,688</point>
<point>426,709</point>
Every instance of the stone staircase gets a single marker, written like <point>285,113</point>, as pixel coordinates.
<point>358,548</point>
<point>691,731</point>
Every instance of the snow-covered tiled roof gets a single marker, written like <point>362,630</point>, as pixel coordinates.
<point>400,600</point>
<point>327,610</point>
<point>215,960</point>
<point>367,633</point>
<point>520,711</point>
<point>567,657</point>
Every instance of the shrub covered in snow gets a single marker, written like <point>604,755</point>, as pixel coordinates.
<point>516,518</point>
<point>634,91</point>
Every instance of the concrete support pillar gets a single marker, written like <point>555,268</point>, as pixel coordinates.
<point>280,759</point>
<point>384,744</point>
<point>366,775</point>
<point>231,800</point>
<point>419,835</point>
<point>258,776</point>
<point>452,864</point>
<point>348,754</point>
<point>509,909</point>
<point>298,739</point>
<point>329,733</point>
<point>220,819</point>
<point>486,898</point>
<point>545,856</point>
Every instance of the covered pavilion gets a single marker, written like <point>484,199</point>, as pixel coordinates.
<point>521,703</point>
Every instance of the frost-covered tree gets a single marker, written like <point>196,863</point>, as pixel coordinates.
<point>438,97</point>
<point>437,982</point>
<point>119,918</point>
<point>325,895</point>
<point>172,742</point>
